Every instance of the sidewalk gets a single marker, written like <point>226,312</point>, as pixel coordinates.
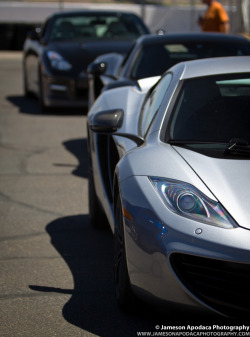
<point>10,55</point>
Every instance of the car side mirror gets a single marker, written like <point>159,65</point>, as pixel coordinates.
<point>97,69</point>
<point>33,35</point>
<point>108,121</point>
<point>107,65</point>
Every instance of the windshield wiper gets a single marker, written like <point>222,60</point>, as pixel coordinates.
<point>238,146</point>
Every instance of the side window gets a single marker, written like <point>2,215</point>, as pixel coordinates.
<point>153,103</point>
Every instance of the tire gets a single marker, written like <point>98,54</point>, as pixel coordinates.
<point>27,92</point>
<point>41,106</point>
<point>97,217</point>
<point>124,295</point>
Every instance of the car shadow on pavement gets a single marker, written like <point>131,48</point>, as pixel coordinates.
<point>78,147</point>
<point>89,255</point>
<point>31,106</point>
<point>25,105</point>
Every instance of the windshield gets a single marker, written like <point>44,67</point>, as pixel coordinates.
<point>108,27</point>
<point>154,60</point>
<point>212,109</point>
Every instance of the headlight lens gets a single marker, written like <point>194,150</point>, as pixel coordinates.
<point>187,201</point>
<point>58,62</point>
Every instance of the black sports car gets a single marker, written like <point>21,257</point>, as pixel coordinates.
<point>56,59</point>
<point>151,55</point>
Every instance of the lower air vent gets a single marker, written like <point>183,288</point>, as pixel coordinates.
<point>224,286</point>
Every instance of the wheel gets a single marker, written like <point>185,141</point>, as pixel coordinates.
<point>96,214</point>
<point>42,107</point>
<point>125,297</point>
<point>27,92</point>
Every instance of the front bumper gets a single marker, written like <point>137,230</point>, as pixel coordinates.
<point>62,91</point>
<point>179,261</point>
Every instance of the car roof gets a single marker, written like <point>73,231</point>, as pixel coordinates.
<point>90,13</point>
<point>213,66</point>
<point>191,37</point>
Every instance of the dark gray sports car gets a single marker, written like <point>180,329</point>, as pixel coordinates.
<point>152,54</point>
<point>56,59</point>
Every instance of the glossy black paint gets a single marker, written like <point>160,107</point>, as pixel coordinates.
<point>69,88</point>
<point>122,74</point>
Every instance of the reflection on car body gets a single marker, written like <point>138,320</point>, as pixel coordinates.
<point>55,61</point>
<point>169,172</point>
<point>151,55</point>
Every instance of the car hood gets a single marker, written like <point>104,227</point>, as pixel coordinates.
<point>227,179</point>
<point>81,53</point>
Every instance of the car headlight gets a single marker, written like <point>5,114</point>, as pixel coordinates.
<point>187,201</point>
<point>58,62</point>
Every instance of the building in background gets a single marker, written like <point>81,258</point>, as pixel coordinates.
<point>17,17</point>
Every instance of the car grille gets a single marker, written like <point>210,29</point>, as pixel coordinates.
<point>224,286</point>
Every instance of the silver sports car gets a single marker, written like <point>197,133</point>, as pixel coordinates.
<point>170,173</point>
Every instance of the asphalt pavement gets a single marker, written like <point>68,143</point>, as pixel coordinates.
<point>56,272</point>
